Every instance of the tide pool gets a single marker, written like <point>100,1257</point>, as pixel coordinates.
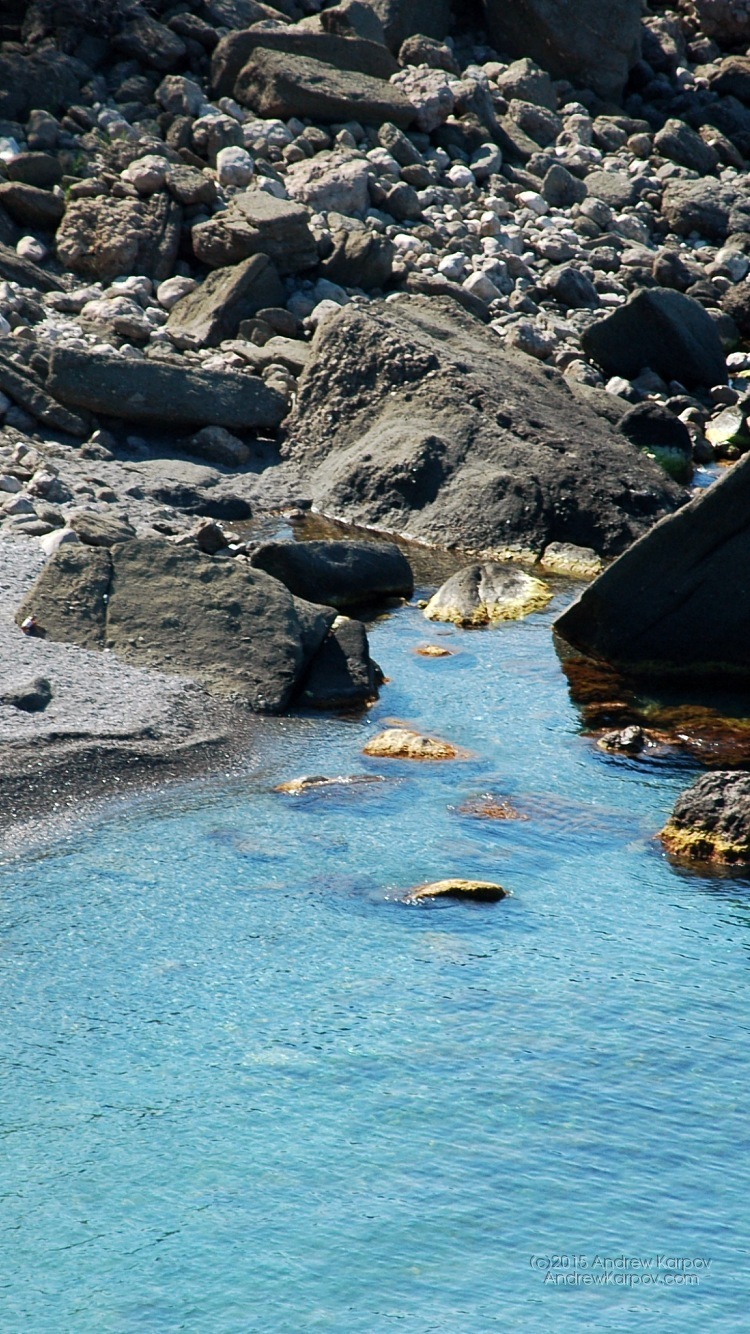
<point>245,1088</point>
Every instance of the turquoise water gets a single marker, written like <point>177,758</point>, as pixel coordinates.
<point>247,1089</point>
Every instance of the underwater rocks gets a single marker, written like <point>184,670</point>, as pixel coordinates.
<point>486,594</point>
<point>401,743</point>
<point>711,820</point>
<point>676,602</point>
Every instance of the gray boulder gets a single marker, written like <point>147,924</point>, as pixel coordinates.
<point>699,206</point>
<point>339,574</point>
<point>592,44</point>
<point>411,417</point>
<point>711,820</point>
<point>360,259</point>
<point>161,391</point>
<point>342,675</point>
<point>31,207</point>
<point>277,85</point>
<point>254,223</point>
<point>214,311</point>
<point>235,630</point>
<point>675,604</point>
<point>100,530</point>
<point>346,53</point>
<point>664,330</point>
<point>679,143</point>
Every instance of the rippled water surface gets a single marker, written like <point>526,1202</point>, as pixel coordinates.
<point>247,1089</point>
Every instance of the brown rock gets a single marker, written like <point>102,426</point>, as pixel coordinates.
<point>109,238</point>
<point>400,743</point>
<point>278,85</point>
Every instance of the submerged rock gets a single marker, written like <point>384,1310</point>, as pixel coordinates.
<point>676,602</point>
<point>482,891</point>
<point>400,743</point>
<point>485,594</point>
<point>310,782</point>
<point>711,820</point>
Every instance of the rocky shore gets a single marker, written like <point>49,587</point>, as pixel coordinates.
<point>479,278</point>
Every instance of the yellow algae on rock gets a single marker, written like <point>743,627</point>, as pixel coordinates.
<point>400,743</point>
<point>434,651</point>
<point>483,891</point>
<point>486,594</point>
<point>577,562</point>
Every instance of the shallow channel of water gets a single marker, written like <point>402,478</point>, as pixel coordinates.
<point>247,1089</point>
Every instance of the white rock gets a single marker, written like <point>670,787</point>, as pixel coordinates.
<point>482,286</point>
<point>331,182</point>
<point>61,537</point>
<point>136,285</point>
<point>323,311</point>
<point>486,161</point>
<point>234,166</point>
<point>266,134</point>
<point>180,96</point>
<point>384,163</point>
<point>9,484</point>
<point>430,91</point>
<point>9,148</point>
<point>408,245</point>
<point>460,177</point>
<point>325,290</point>
<point>4,327</point>
<point>271,187</point>
<point>453,266</point>
<point>734,262</point>
<point>533,200</point>
<point>29,248</point>
<point>147,174</point>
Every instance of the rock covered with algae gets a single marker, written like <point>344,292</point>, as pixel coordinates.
<point>486,593</point>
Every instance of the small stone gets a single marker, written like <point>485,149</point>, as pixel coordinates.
<point>482,891</point>
<point>567,558</point>
<point>401,743</point>
<point>629,741</point>
<point>234,166</point>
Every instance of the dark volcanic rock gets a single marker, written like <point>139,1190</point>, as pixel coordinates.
<point>404,18</point>
<point>30,206</point>
<point>25,273</point>
<point>698,206</point>
<point>43,80</point>
<point>711,820</point>
<point>347,53</point>
<point>676,602</point>
<point>664,330</point>
<point>31,696</point>
<point>237,631</point>
<point>339,574</point>
<point>161,391</point>
<point>653,427</point>
<point>592,44</point>
<point>342,674</point>
<point>274,84</point>
<point>412,417</point>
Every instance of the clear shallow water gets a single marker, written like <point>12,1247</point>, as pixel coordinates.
<point>245,1089</point>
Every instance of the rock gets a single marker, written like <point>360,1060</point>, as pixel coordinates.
<point>42,170</point>
<point>430,93</point>
<point>571,288</point>
<point>217,445</point>
<point>31,697</point>
<point>31,207</point>
<point>421,50</point>
<point>257,223</point>
<point>144,39</point>
<point>404,18</point>
<point>628,741</point>
<point>100,530</point>
<point>562,189</point>
<point>331,183</point>
<point>110,238</point>
<point>486,594</point>
<point>19,383</point>
<point>652,427</point>
<point>43,80</point>
<point>731,77</point>
<point>353,18</point>
<point>724,20</point>
<point>412,417</point>
<point>613,188</point>
<point>481,891</point>
<point>235,630</point>
<point>698,206</point>
<point>527,82</point>
<point>711,820</point>
<point>664,330</point>
<point>592,46</point>
<point>679,143</point>
<point>354,54</point>
<point>15,269</point>
<point>51,542</point>
<point>576,562</point>
<point>400,743</point>
<point>674,604</point>
<point>360,259</point>
<point>342,675</point>
<point>309,782</point>
<point>278,85</point>
<point>736,302</point>
<point>160,391</point>
<point>338,574</point>
<point>212,312</point>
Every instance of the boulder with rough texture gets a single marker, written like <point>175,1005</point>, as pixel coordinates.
<point>100,530</point>
<point>331,183</point>
<point>676,602</point>
<point>348,53</point>
<point>592,44</point>
<point>23,387</point>
<point>339,574</point>
<point>28,696</point>
<point>699,206</point>
<point>404,18</point>
<point>160,391</point>
<point>711,820</point>
<point>278,85</point>
<point>360,259</point>
<point>486,594</point>
<point>342,675</point>
<point>665,330</point>
<point>213,311</point>
<point>235,630</point>
<point>44,80</point>
<point>412,417</point>
<point>257,223</point>
<point>727,21</point>
<point>110,238</point>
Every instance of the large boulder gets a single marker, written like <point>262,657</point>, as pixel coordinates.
<point>676,602</point>
<point>254,223</point>
<point>235,630</point>
<point>162,392</point>
<point>592,44</point>
<point>664,330</point>
<point>404,18</point>
<point>342,675</point>
<point>213,311</point>
<point>273,84</point>
<point>347,53</point>
<point>412,417</point>
<point>711,820</point>
<point>108,238</point>
<point>44,80</point>
<point>340,574</point>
